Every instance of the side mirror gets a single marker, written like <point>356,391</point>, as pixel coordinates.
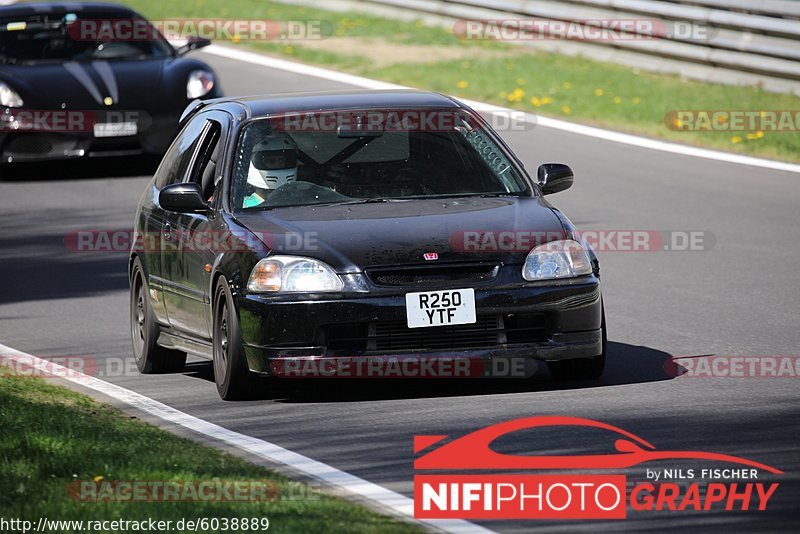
<point>555,177</point>
<point>183,198</point>
<point>193,44</point>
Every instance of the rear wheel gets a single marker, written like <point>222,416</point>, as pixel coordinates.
<point>581,368</point>
<point>150,358</point>
<point>234,379</point>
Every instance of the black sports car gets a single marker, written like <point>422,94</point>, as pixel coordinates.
<point>355,226</point>
<point>72,84</point>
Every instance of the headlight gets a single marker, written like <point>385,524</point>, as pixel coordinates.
<point>557,259</point>
<point>8,97</point>
<point>199,84</point>
<point>292,274</point>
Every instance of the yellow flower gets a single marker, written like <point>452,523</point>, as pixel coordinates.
<point>678,123</point>
<point>759,134</point>
<point>517,95</point>
<point>752,136</point>
<point>98,478</point>
<point>462,84</point>
<point>235,39</point>
<point>736,139</point>
<point>617,100</point>
<point>598,92</point>
<point>546,100</point>
<point>567,86</point>
<point>566,110</point>
<point>636,100</point>
<point>535,101</point>
<point>288,49</point>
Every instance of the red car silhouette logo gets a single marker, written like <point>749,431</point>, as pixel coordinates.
<point>473,452</point>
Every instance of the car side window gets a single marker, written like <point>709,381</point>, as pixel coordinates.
<point>176,161</point>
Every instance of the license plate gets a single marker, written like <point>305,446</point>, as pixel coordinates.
<point>115,129</point>
<point>440,308</point>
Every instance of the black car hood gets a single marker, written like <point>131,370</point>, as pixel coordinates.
<point>131,84</point>
<point>355,237</point>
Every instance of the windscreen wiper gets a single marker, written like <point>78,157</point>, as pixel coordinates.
<point>365,201</point>
<point>333,203</point>
<point>504,194</point>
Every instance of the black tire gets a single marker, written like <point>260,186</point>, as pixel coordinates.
<point>234,379</point>
<point>150,358</point>
<point>581,368</point>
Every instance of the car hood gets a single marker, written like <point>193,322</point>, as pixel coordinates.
<point>355,237</point>
<point>131,84</point>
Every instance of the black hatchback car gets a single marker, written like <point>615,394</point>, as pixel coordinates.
<point>355,226</point>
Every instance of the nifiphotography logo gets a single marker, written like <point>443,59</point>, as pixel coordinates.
<point>729,483</point>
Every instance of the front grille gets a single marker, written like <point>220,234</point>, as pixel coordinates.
<point>430,275</point>
<point>395,335</point>
<point>40,144</point>
<point>488,331</point>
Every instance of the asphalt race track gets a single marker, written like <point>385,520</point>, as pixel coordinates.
<point>740,299</point>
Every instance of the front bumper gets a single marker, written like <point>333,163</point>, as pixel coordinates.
<point>62,140</point>
<point>557,321</point>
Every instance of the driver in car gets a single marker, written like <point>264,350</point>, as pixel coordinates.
<point>273,164</point>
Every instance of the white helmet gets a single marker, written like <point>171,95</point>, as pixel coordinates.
<point>273,162</point>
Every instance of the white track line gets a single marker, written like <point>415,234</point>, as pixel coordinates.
<point>399,504</point>
<point>547,122</point>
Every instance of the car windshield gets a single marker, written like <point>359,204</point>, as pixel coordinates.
<point>87,36</point>
<point>371,156</point>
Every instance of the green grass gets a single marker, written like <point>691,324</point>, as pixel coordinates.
<point>336,24</point>
<point>511,76</point>
<point>53,436</point>
<point>603,95</point>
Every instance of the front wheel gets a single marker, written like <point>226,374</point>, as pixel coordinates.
<point>581,368</point>
<point>150,357</point>
<point>234,379</point>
